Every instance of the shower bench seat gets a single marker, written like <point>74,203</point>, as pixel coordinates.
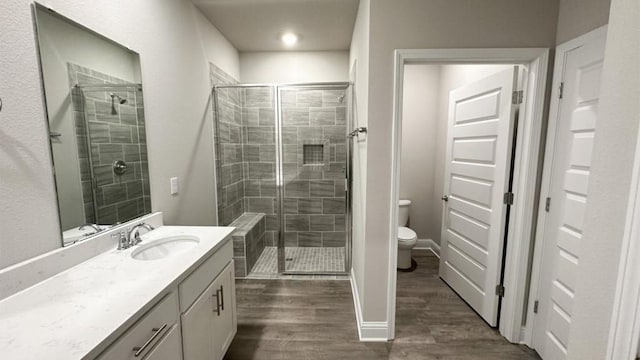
<point>248,241</point>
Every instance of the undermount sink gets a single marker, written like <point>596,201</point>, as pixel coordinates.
<point>169,246</point>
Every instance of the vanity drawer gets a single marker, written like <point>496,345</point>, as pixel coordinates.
<point>141,338</point>
<point>199,280</point>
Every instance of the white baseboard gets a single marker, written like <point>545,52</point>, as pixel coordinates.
<point>428,244</point>
<point>368,331</point>
<point>523,331</point>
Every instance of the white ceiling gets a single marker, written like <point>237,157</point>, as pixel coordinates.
<point>256,25</point>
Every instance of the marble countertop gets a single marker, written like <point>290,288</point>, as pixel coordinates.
<point>79,312</point>
<point>72,235</point>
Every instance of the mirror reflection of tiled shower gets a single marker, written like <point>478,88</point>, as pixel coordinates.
<point>281,168</point>
<point>111,142</point>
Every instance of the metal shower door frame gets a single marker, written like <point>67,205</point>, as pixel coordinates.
<point>347,86</point>
<point>279,175</point>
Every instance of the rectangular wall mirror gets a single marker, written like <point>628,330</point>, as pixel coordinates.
<point>95,111</point>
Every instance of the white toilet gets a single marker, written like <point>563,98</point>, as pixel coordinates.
<point>407,238</point>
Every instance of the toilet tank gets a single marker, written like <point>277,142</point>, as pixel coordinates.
<point>403,212</point>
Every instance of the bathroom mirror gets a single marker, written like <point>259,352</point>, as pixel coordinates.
<point>95,109</point>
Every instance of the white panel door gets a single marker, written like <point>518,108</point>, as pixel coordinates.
<point>571,144</point>
<point>479,143</point>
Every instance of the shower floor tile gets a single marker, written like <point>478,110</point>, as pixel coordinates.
<point>300,259</point>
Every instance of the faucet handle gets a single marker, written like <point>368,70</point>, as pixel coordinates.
<point>123,243</point>
<point>134,233</point>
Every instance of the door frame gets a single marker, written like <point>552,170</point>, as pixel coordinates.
<point>554,111</point>
<point>624,334</point>
<point>528,149</point>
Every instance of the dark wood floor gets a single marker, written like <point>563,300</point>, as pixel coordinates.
<point>296,319</point>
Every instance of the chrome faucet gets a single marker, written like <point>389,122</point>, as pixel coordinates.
<point>93,226</point>
<point>134,233</point>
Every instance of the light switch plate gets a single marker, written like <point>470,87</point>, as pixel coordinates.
<point>174,185</point>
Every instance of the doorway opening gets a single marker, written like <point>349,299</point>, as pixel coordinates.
<point>457,160</point>
<point>483,176</point>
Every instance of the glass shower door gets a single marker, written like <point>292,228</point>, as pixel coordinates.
<point>282,151</point>
<point>314,162</point>
<point>246,174</point>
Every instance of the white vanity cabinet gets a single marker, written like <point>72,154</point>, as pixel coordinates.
<point>158,329</point>
<point>209,318</point>
<point>193,322</point>
<point>225,326</point>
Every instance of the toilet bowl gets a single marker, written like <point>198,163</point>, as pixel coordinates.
<point>407,238</point>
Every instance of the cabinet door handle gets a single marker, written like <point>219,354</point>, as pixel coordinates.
<point>221,297</point>
<point>156,333</point>
<point>217,309</point>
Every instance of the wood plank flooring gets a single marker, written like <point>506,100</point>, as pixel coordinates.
<point>314,319</point>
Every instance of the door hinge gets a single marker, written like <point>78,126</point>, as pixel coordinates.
<point>500,290</point>
<point>547,204</point>
<point>535,307</point>
<point>508,198</point>
<point>560,90</point>
<point>517,97</point>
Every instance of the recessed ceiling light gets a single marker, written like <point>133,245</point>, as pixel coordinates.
<point>289,39</point>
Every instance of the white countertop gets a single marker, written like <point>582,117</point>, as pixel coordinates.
<point>79,312</point>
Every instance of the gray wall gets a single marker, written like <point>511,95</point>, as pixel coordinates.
<point>406,24</point>
<point>576,17</point>
<point>176,85</point>
<point>286,67</point>
<point>419,147</point>
<point>605,215</point>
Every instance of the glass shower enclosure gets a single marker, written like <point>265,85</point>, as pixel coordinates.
<point>282,152</point>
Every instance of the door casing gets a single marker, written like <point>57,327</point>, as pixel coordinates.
<point>530,130</point>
